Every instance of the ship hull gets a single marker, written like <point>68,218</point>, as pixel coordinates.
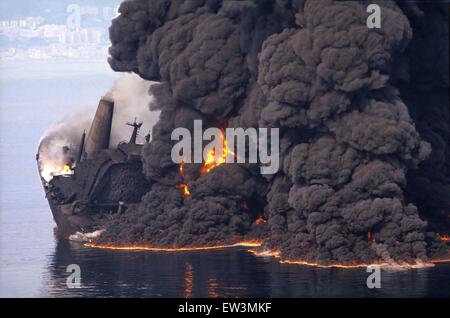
<point>67,221</point>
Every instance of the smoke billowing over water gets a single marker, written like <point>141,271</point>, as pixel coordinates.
<point>363,117</point>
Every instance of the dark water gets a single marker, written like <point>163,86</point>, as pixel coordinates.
<point>33,96</point>
<point>224,273</point>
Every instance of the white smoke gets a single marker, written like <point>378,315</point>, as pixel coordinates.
<point>131,97</point>
<point>85,237</point>
<point>66,133</point>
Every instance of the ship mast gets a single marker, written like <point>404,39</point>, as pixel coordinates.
<point>136,126</point>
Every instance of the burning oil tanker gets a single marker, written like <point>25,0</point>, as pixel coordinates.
<point>94,180</point>
<point>363,117</point>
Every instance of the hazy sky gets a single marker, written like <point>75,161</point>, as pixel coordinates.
<point>54,9</point>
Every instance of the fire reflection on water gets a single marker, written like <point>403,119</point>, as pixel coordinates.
<point>213,287</point>
<point>188,281</point>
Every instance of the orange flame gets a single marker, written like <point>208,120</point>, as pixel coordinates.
<point>210,164</point>
<point>445,238</point>
<point>183,187</point>
<point>211,161</point>
<point>369,237</point>
<point>260,220</point>
<point>48,171</point>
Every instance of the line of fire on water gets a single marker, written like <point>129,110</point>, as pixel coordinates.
<point>264,253</point>
<point>277,255</point>
<point>437,261</point>
<point>172,249</point>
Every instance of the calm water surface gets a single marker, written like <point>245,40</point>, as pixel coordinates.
<point>36,94</point>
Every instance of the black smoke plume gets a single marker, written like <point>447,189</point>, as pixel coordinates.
<point>363,117</point>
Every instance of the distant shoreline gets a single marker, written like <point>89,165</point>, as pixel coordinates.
<point>54,59</point>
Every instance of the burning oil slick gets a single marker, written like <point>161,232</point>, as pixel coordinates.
<point>363,117</point>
